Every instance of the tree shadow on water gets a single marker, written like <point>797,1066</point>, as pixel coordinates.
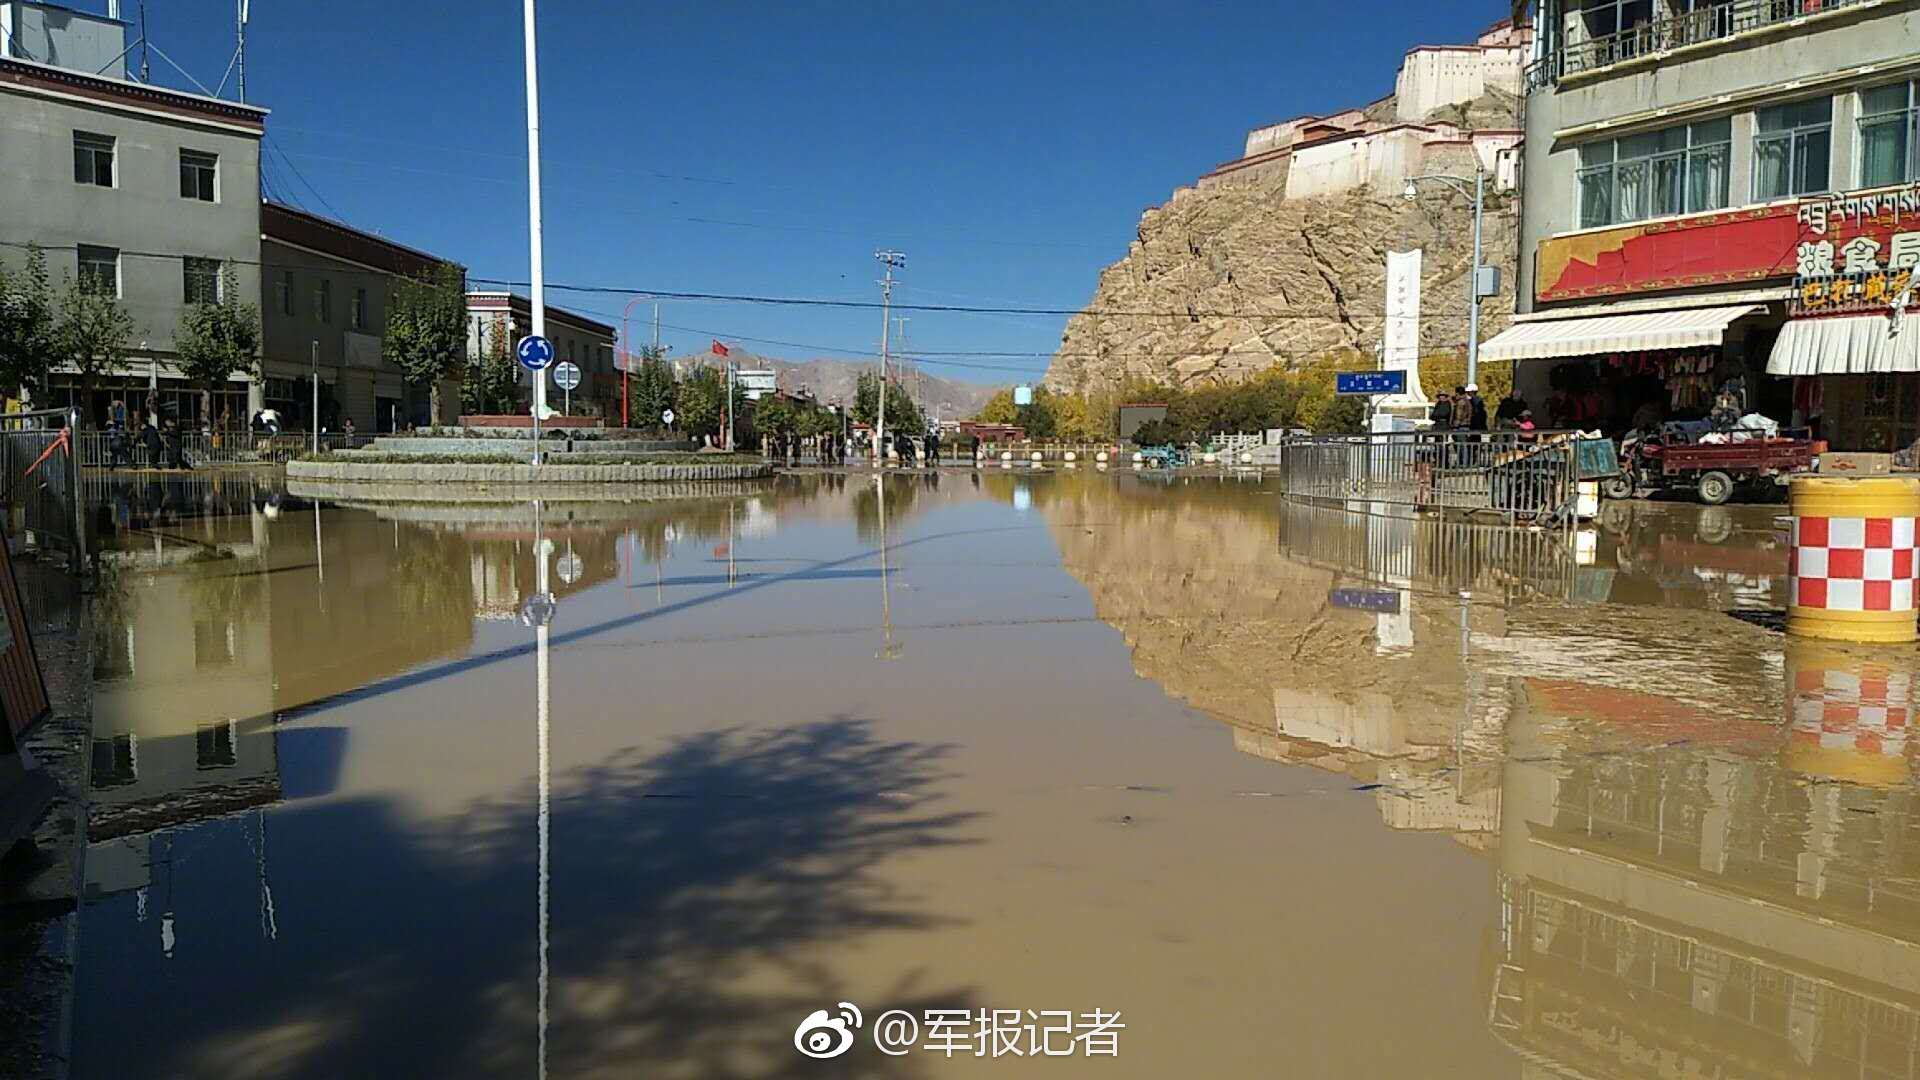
<point>701,898</point>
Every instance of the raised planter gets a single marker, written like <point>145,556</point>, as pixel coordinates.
<point>424,482</point>
<point>527,422</point>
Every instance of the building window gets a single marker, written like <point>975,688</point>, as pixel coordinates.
<point>116,761</point>
<point>359,310</point>
<point>323,300</point>
<point>1887,118</point>
<point>284,289</point>
<point>100,270</point>
<point>1791,149</point>
<point>1680,170</point>
<point>197,174</point>
<point>213,746</point>
<point>92,159</point>
<point>202,280</point>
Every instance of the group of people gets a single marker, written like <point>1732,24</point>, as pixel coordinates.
<point>1463,410</point>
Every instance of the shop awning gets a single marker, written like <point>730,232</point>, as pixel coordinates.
<point>1846,345</point>
<point>1643,332</point>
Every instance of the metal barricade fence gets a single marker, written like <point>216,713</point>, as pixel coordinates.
<point>127,449</point>
<point>44,500</point>
<point>1518,476</point>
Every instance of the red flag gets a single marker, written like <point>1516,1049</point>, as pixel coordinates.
<point>720,350</point>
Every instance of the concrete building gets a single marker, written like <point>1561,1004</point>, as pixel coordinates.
<point>583,341</point>
<point>1715,201</point>
<point>325,292</point>
<point>1379,145</point>
<point>148,193</point>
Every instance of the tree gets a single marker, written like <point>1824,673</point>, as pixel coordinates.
<point>902,414</point>
<point>218,339</point>
<point>491,385</point>
<point>427,329</point>
<point>999,408</point>
<point>650,392</point>
<point>27,338</point>
<point>92,335</point>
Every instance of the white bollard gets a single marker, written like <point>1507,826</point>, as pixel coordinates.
<point>1006,455</point>
<point>1070,457</point>
<point>1246,459</point>
<point>1208,457</point>
<point>1139,458</point>
<point>1100,458</point>
<point>1036,459</point>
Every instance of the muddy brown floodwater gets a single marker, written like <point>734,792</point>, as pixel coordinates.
<point>1295,792</point>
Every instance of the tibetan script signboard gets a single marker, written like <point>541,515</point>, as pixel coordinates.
<point>1856,253</point>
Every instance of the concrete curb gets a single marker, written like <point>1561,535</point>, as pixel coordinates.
<point>519,476</point>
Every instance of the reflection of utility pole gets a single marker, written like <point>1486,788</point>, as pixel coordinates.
<point>888,649</point>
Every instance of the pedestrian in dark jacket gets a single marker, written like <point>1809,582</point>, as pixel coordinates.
<point>1477,414</point>
<point>1442,412</point>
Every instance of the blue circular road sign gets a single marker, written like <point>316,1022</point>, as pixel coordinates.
<point>535,353</point>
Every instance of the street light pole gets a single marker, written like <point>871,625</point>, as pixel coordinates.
<point>1478,192</point>
<point>316,396</point>
<point>538,275</point>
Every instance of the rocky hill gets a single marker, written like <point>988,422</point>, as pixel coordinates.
<point>1223,282</point>
<point>833,380</point>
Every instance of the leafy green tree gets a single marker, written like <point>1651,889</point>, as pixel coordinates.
<point>902,414</point>
<point>27,327</point>
<point>491,385</point>
<point>92,336</point>
<point>426,334</point>
<point>651,389</point>
<point>700,402</point>
<point>217,340</point>
<point>999,408</point>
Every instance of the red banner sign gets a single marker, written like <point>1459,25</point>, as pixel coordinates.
<point>1837,242</point>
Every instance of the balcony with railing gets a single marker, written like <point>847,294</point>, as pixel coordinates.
<point>1665,33</point>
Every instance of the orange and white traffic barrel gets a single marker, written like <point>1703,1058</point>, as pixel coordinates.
<point>1853,559</point>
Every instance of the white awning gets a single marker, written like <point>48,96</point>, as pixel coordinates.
<point>1685,329</point>
<point>1848,345</point>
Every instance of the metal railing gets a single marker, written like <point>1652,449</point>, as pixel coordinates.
<point>106,449</point>
<point>1530,476</point>
<point>44,503</point>
<point>1399,548</point>
<point>1671,32</point>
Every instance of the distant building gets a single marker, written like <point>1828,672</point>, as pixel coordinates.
<point>144,192</point>
<point>1376,148</point>
<point>325,294</point>
<point>588,344</point>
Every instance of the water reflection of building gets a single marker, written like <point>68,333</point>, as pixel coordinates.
<point>183,726</point>
<point>1224,619</point>
<point>1705,907</point>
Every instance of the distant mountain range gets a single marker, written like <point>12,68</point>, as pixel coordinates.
<point>833,380</point>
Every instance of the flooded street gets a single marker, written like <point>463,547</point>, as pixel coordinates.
<point>1294,791</point>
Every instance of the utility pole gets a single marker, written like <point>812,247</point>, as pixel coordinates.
<point>890,260</point>
<point>538,276</point>
<point>146,68</point>
<point>316,397</point>
<point>240,53</point>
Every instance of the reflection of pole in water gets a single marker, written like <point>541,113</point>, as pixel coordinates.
<point>730,542</point>
<point>320,556</point>
<point>541,549</point>
<point>888,650</point>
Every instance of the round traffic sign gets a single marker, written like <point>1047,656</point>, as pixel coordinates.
<point>534,353</point>
<point>569,567</point>
<point>566,375</point>
<point>667,417</point>
<point>537,610</point>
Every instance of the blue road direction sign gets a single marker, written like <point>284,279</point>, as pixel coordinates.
<point>1376,600</point>
<point>535,353</point>
<point>1370,382</point>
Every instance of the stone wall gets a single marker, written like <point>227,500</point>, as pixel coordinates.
<point>525,478</point>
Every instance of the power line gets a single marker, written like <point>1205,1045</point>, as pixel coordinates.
<point>298,175</point>
<point>1192,315</point>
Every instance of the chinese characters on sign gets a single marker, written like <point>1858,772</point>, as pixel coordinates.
<point>1853,254</point>
<point>965,1032</point>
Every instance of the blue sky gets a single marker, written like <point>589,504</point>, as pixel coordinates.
<point>769,148</point>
